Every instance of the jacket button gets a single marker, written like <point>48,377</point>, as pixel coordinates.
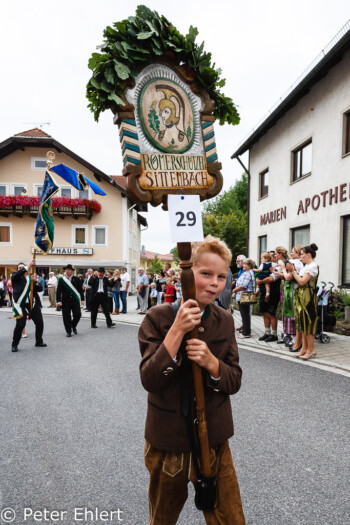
<point>165,372</point>
<point>201,329</point>
<point>170,369</point>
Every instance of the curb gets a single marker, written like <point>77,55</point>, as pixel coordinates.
<point>317,361</point>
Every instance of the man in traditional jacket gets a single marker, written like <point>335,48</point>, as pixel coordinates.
<point>70,296</point>
<point>21,283</point>
<point>99,284</point>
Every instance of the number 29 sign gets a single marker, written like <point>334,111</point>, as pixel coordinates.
<point>185,218</point>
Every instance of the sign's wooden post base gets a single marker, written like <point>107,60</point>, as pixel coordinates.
<point>189,292</point>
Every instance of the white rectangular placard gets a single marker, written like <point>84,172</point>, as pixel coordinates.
<point>185,218</point>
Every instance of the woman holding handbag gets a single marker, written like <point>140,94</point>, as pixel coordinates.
<point>245,296</point>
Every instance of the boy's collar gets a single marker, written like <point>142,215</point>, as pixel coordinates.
<point>206,312</point>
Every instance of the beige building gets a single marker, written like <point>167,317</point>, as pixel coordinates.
<point>83,237</point>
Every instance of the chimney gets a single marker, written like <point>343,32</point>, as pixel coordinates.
<point>143,250</point>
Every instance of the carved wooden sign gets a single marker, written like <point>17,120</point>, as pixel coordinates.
<point>167,136</point>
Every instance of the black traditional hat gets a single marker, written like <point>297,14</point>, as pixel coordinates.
<point>69,267</point>
<point>101,270</point>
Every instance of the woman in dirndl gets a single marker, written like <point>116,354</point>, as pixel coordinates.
<point>306,303</point>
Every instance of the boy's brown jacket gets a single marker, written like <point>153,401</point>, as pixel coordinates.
<point>160,376</point>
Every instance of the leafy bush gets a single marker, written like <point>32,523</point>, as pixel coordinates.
<point>134,43</point>
<point>337,302</point>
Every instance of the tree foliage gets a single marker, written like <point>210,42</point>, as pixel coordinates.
<point>156,265</point>
<point>234,199</point>
<point>175,255</point>
<point>133,43</point>
<point>226,216</point>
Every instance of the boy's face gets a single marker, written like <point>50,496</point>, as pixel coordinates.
<point>210,272</point>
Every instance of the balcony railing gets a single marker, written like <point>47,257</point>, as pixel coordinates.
<point>21,206</point>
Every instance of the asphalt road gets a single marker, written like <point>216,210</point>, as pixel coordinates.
<point>71,434</point>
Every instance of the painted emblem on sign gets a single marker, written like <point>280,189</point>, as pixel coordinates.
<point>167,115</point>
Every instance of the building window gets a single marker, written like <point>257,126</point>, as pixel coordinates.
<point>38,189</point>
<point>346,133</point>
<point>263,183</point>
<point>6,233</point>
<point>262,246</point>
<point>39,163</point>
<point>83,194</point>
<point>17,189</point>
<point>302,161</point>
<point>100,235</point>
<point>4,189</point>
<point>80,235</point>
<point>346,252</point>
<point>66,192</point>
<point>301,236</point>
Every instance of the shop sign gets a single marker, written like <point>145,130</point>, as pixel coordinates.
<point>69,251</point>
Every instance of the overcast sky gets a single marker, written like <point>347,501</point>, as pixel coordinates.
<point>262,46</point>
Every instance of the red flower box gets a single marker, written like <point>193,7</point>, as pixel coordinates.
<point>26,201</point>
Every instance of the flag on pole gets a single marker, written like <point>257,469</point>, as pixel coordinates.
<point>76,179</point>
<point>44,229</point>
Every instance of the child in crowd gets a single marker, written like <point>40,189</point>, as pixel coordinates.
<point>263,272</point>
<point>169,292</point>
<point>165,352</point>
<point>153,294</point>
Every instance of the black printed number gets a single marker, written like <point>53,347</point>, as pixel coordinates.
<point>190,217</point>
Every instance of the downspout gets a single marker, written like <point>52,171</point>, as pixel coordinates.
<point>248,197</point>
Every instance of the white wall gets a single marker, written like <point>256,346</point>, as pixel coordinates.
<point>318,115</point>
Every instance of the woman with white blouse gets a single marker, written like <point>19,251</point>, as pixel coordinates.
<point>306,303</point>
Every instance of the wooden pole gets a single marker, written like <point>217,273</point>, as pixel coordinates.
<point>189,292</point>
<point>32,283</point>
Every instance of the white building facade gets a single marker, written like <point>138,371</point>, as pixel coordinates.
<point>299,168</point>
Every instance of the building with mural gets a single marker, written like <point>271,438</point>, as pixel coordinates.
<point>90,230</point>
<point>299,166</point>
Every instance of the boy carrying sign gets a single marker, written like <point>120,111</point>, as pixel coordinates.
<point>164,354</point>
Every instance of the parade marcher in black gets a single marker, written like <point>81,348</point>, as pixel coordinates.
<point>21,283</point>
<point>99,284</point>
<point>70,296</point>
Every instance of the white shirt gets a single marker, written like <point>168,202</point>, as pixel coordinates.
<point>311,269</point>
<point>52,282</point>
<point>298,265</point>
<point>100,285</point>
<point>124,279</point>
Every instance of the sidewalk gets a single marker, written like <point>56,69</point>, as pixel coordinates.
<point>333,355</point>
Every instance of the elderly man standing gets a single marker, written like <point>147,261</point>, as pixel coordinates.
<point>143,290</point>
<point>51,289</point>
<point>124,288</point>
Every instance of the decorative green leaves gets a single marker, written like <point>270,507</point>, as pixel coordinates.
<point>153,120</point>
<point>133,43</point>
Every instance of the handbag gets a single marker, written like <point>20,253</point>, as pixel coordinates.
<point>248,297</point>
